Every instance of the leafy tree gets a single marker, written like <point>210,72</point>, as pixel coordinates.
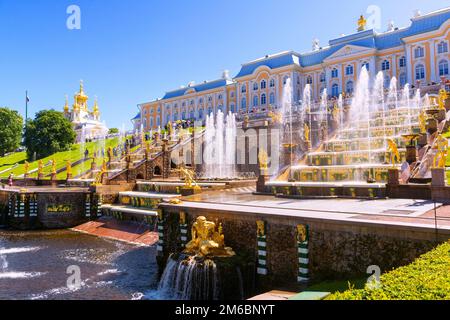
<point>113,131</point>
<point>10,130</point>
<point>48,133</point>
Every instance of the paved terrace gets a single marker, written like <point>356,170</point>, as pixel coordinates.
<point>392,212</point>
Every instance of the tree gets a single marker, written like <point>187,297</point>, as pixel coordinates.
<point>113,131</point>
<point>10,130</point>
<point>48,133</point>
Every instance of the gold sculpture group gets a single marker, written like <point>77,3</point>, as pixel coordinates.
<point>207,240</point>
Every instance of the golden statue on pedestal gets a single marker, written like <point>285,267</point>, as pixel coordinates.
<point>423,122</point>
<point>276,117</point>
<point>53,166</point>
<point>189,178</point>
<point>206,241</point>
<point>26,167</point>
<point>442,152</point>
<point>362,22</point>
<point>392,148</point>
<point>68,167</point>
<point>40,167</point>
<point>441,99</point>
<point>262,157</point>
<point>307,132</point>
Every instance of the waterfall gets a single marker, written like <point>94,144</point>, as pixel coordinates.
<point>188,278</point>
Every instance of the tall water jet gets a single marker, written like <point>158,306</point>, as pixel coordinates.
<point>220,146</point>
<point>341,113</point>
<point>406,104</point>
<point>392,98</point>
<point>378,100</point>
<point>306,108</point>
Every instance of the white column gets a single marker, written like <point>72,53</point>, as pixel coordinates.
<point>432,63</point>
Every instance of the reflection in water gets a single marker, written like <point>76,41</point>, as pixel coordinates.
<point>33,265</point>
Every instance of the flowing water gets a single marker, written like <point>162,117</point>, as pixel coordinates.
<point>33,265</point>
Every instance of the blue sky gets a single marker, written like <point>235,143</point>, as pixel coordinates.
<point>132,51</point>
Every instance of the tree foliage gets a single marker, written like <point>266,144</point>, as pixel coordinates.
<point>48,133</point>
<point>113,131</point>
<point>10,130</point>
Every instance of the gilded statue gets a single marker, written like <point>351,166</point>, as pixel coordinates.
<point>276,117</point>
<point>169,129</point>
<point>362,22</point>
<point>40,167</point>
<point>53,166</point>
<point>442,151</point>
<point>335,113</point>
<point>307,132</point>
<point>302,233</point>
<point>392,148</point>
<point>206,240</point>
<point>110,154</point>
<point>441,99</point>
<point>423,122</point>
<point>26,167</point>
<point>189,178</point>
<point>262,157</point>
<point>182,218</point>
<point>260,231</point>
<point>68,167</point>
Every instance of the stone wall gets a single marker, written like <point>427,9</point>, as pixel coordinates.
<point>337,250</point>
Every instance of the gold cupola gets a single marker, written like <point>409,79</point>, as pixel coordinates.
<point>66,106</point>
<point>81,99</point>
<point>362,22</point>
<point>96,109</point>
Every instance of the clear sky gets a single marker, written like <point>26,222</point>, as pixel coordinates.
<point>132,51</point>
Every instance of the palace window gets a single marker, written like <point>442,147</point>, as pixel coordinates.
<point>334,73</point>
<point>420,72</point>
<point>200,100</point>
<point>210,111</point>
<point>220,97</point>
<point>322,77</point>
<point>158,122</point>
<point>192,114</point>
<point>285,79</point>
<point>349,70</point>
<point>209,98</point>
<point>244,88</point>
<point>263,99</point>
<point>192,102</point>
<point>443,68</point>
<point>349,87</point>
<point>184,104</point>
<point>255,86</point>
<point>232,94</point>
<point>255,101</point>
<point>272,83</point>
<point>168,118</point>
<point>232,108</point>
<point>151,122</point>
<point>402,80</point>
<point>442,47</point>
<point>385,65</point>
<point>335,90</point>
<point>200,113</point>
<point>419,52</point>
<point>402,62</point>
<point>272,98</point>
<point>243,103</point>
<point>263,84</point>
<point>309,80</point>
<point>183,115</point>
<point>366,65</point>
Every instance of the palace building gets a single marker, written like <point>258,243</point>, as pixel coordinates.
<point>86,123</point>
<point>417,54</point>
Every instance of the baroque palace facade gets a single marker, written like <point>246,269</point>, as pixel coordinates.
<point>418,55</point>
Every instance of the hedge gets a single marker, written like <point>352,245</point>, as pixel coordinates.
<point>427,278</point>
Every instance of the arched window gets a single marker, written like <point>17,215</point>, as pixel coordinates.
<point>272,98</point>
<point>420,72</point>
<point>232,94</point>
<point>210,111</point>
<point>200,101</point>
<point>322,77</point>
<point>263,99</point>
<point>419,52</point>
<point>244,88</point>
<point>255,101</point>
<point>349,70</point>
<point>443,68</point>
<point>385,65</point>
<point>209,98</point>
<point>442,47</point>
<point>168,118</point>
<point>158,122</point>
<point>349,87</point>
<point>192,114</point>
<point>402,62</point>
<point>255,86</point>
<point>285,79</point>
<point>334,73</point>
<point>151,122</point>
<point>402,80</point>
<point>387,81</point>
<point>175,116</point>
<point>243,103</point>
<point>192,102</point>
<point>272,83</point>
<point>220,97</point>
<point>365,65</point>
<point>183,115</point>
<point>263,84</point>
<point>200,113</point>
<point>335,90</point>
<point>309,80</point>
<point>232,108</point>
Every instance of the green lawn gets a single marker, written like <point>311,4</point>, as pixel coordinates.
<point>427,278</point>
<point>338,286</point>
<point>61,158</point>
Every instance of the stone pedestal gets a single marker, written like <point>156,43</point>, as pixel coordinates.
<point>438,177</point>
<point>40,176</point>
<point>69,176</point>
<point>411,154</point>
<point>262,180</point>
<point>393,177</point>
<point>432,125</point>
<point>189,191</point>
